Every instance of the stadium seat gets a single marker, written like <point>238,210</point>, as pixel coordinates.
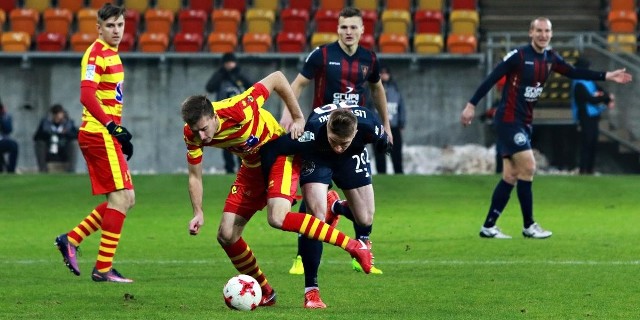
<point>51,41</point>
<point>8,5</point>
<point>369,21</point>
<point>241,6</point>
<point>428,43</point>
<point>3,19</point>
<point>57,21</point>
<point>153,42</point>
<point>128,42</point>
<point>398,5</point>
<point>461,44</point>
<point>192,21</point>
<point>171,5</point>
<point>331,4</point>
<point>256,42</point>
<point>367,41</point>
<point>291,41</point>
<point>428,21</point>
<point>366,4</point>
<point>437,5</point>
<point>259,20</point>
<point>87,20</point>
<point>158,21</point>
<point>15,41</point>
<point>72,5</point>
<point>37,5</point>
<point>25,20</point>
<point>225,20</point>
<point>273,5</point>
<point>625,5</point>
<point>622,42</point>
<point>81,41</point>
<point>320,38</point>
<point>464,5</point>
<point>140,6</point>
<point>301,5</point>
<point>396,21</point>
<point>393,43</point>
<point>622,21</point>
<point>464,22</point>
<point>326,20</point>
<point>187,42</point>
<point>294,20</point>
<point>204,5</point>
<point>97,4</point>
<point>131,22</point>
<point>222,42</point>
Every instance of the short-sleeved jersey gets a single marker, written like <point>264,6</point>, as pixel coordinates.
<point>339,77</point>
<point>526,73</point>
<point>244,127</point>
<point>103,70</point>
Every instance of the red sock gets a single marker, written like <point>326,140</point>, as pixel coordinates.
<point>111,228</point>
<point>313,228</point>
<point>245,262</point>
<point>88,226</point>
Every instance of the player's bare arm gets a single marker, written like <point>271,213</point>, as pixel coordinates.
<point>298,84</point>
<point>468,113</point>
<point>278,82</point>
<point>195,193</point>
<point>380,101</point>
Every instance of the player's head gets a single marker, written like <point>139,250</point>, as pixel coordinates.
<point>350,27</point>
<point>197,112</point>
<point>540,33</point>
<point>341,129</point>
<point>111,24</point>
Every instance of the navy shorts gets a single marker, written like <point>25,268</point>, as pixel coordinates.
<point>347,172</point>
<point>513,138</point>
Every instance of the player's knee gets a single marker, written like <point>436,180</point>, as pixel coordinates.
<point>275,220</point>
<point>225,239</point>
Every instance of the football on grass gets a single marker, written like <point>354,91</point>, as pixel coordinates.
<point>242,292</point>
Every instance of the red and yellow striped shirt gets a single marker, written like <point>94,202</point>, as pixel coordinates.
<point>244,127</point>
<point>102,69</point>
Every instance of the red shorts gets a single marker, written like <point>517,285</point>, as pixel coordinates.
<point>248,193</point>
<point>106,164</point>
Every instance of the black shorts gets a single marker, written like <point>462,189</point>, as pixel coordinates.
<point>348,172</point>
<point>513,138</point>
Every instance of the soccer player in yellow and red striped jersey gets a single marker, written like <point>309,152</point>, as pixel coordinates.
<point>240,125</point>
<point>103,142</point>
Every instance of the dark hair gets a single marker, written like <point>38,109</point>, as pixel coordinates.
<point>194,108</point>
<point>342,122</point>
<point>348,12</point>
<point>108,11</point>
<point>229,56</point>
<point>56,108</point>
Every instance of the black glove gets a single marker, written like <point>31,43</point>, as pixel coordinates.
<point>383,146</point>
<point>119,132</point>
<point>127,149</point>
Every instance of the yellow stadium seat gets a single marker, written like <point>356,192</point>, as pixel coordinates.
<point>38,5</point>
<point>259,20</point>
<point>393,43</point>
<point>464,22</point>
<point>15,41</point>
<point>622,42</point>
<point>396,21</point>
<point>320,38</point>
<point>428,43</point>
<point>138,5</point>
<point>222,42</point>
<point>172,5</point>
<point>430,5</point>
<point>273,5</point>
<point>366,4</point>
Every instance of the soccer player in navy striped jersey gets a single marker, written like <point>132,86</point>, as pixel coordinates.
<point>527,68</point>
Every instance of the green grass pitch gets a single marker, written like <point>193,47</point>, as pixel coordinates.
<point>425,240</point>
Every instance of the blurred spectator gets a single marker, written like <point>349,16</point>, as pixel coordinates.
<point>397,119</point>
<point>55,141</point>
<point>8,146</point>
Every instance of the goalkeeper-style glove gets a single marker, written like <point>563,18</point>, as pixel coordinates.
<point>383,145</point>
<point>127,149</point>
<point>119,132</point>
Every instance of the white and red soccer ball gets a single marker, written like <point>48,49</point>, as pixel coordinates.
<point>242,292</point>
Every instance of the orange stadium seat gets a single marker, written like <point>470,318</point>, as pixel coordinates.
<point>622,42</point>
<point>428,43</point>
<point>140,6</point>
<point>301,4</point>
<point>461,43</point>
<point>622,21</point>
<point>87,20</point>
<point>51,41</point>
<point>37,5</point>
<point>366,4</point>
<point>398,5</point>
<point>131,22</point>
<point>256,42</point>
<point>320,38</point>
<point>430,5</point>
<point>192,21</point>
<point>369,21</point>
<point>428,21</point>
<point>396,21</point>
<point>205,5</point>
<point>464,22</point>
<point>226,20</point>
<point>291,41</point>
<point>153,42</point>
<point>331,4</point>
<point>25,20</point>
<point>222,42</point>
<point>72,5</point>
<point>172,5</point>
<point>188,42</point>
<point>273,5</point>
<point>8,5</point>
<point>127,43</point>
<point>158,21</point>
<point>393,43</point>
<point>15,41</point>
<point>3,18</point>
<point>235,4</point>
<point>367,41</point>
<point>294,20</point>
<point>464,5</point>
<point>57,21</point>
<point>259,20</point>
<point>81,41</point>
<point>326,20</point>
<point>627,5</point>
<point>97,4</point>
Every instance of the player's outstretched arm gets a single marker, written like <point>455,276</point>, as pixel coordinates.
<point>619,76</point>
<point>298,84</point>
<point>277,82</point>
<point>195,193</point>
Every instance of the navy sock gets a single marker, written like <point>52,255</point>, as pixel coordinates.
<point>311,252</point>
<point>362,233</point>
<point>499,200</point>
<point>525,195</point>
<point>342,208</point>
